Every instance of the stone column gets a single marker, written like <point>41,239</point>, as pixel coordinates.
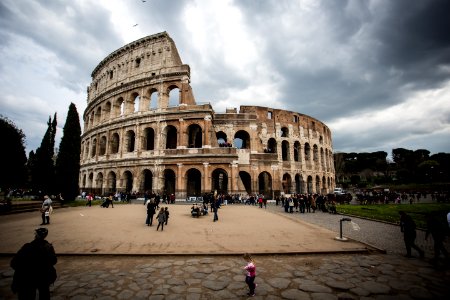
<point>206,182</point>
<point>207,133</point>
<point>234,177</point>
<point>179,181</point>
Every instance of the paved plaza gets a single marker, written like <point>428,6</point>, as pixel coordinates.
<point>297,257</point>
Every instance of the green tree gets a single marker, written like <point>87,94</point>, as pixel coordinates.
<point>68,161</point>
<point>12,155</point>
<point>43,168</point>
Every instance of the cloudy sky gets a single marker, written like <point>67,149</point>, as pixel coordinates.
<point>376,72</point>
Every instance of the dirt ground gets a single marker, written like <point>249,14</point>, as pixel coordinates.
<point>122,230</point>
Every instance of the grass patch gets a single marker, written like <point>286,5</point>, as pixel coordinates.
<point>389,212</point>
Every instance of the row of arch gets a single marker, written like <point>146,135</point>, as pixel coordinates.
<point>135,103</point>
<point>193,185</point>
<point>241,140</point>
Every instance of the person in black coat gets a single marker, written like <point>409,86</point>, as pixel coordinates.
<point>151,210</point>
<point>34,268</point>
<point>408,227</point>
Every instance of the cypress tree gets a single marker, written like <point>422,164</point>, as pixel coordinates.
<point>43,172</point>
<point>12,155</point>
<point>68,161</point>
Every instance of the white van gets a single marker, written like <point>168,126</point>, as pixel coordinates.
<point>338,191</point>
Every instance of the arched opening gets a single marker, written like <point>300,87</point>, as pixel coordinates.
<point>287,183</point>
<point>94,148</point>
<point>324,185</point>
<point>174,96</point>
<point>317,184</point>
<point>219,181</point>
<point>136,102</point>
<point>92,118</point>
<point>193,183</point>
<point>147,181</point>
<point>86,150</point>
<point>310,185</point>
<point>153,99</point>
<point>307,153</point>
<point>171,137</point>
<point>90,181</point>
<point>98,115</point>
<point>111,183</point>
<point>114,144</point>
<point>169,181</point>
<point>322,158</point>
<point>149,139</point>
<point>222,139</point>
<point>297,151</point>
<point>83,181</point>
<point>107,111</point>
<point>128,181</point>
<point>265,184</point>
<point>131,137</point>
<point>194,136</point>
<point>285,151</point>
<point>119,107</point>
<point>315,154</point>
<point>99,184</point>
<point>242,140</point>
<point>246,180</point>
<point>299,184</point>
<point>284,132</point>
<point>102,145</point>
<point>272,146</point>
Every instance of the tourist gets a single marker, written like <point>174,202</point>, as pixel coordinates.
<point>166,211</point>
<point>251,274</point>
<point>215,205</point>
<point>45,210</point>
<point>161,217</point>
<point>110,201</point>
<point>151,210</point>
<point>33,267</point>
<point>439,230</point>
<point>408,227</point>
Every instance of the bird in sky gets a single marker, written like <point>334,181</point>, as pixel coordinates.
<point>135,25</point>
<point>143,1</point>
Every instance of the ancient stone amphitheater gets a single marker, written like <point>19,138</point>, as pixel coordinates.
<point>144,131</point>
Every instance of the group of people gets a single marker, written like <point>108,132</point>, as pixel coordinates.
<point>162,217</point>
<point>437,226</point>
<point>199,210</point>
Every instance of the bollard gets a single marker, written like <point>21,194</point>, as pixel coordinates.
<point>340,238</point>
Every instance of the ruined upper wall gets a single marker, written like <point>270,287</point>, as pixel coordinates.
<point>148,57</point>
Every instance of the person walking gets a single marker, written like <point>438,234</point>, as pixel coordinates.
<point>166,212</point>
<point>161,217</point>
<point>151,210</point>
<point>45,210</point>
<point>34,268</point>
<point>251,274</point>
<point>438,229</point>
<point>408,227</point>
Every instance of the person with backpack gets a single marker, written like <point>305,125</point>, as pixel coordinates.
<point>408,227</point>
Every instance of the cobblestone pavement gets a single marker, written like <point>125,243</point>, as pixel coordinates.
<point>337,276</point>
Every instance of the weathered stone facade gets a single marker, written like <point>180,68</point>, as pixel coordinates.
<point>136,138</point>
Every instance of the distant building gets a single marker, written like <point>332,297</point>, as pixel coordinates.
<point>138,137</point>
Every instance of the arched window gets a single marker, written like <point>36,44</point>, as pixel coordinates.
<point>149,139</point>
<point>171,137</point>
<point>174,96</point>
<point>219,181</point>
<point>128,181</point>
<point>297,151</point>
<point>102,145</point>
<point>136,101</point>
<point>131,137</point>
<point>114,143</point>
<point>194,136</point>
<point>265,184</point>
<point>272,146</point>
<point>193,183</point>
<point>307,153</point>
<point>287,183</point>
<point>153,99</point>
<point>315,154</point>
<point>242,140</point>
<point>222,139</point>
<point>285,151</point>
<point>94,147</point>
<point>107,111</point>
<point>169,181</point>
<point>284,132</point>
<point>111,182</point>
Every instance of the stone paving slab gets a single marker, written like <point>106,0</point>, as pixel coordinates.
<point>122,230</point>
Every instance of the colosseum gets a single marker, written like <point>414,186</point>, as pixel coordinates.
<point>144,131</point>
